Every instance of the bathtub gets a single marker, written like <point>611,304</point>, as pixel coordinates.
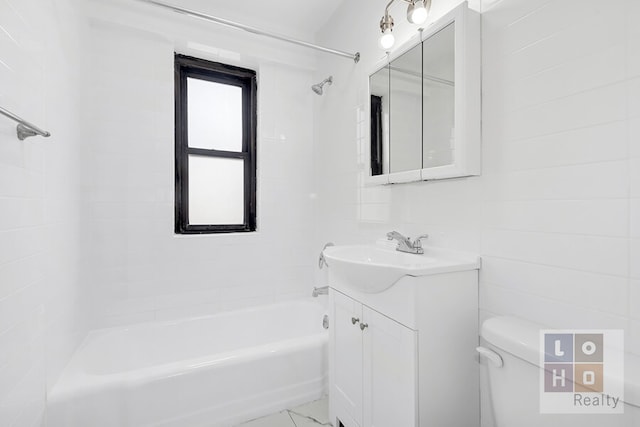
<point>217,370</point>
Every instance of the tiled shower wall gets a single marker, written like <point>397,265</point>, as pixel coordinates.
<point>556,212</point>
<point>44,305</point>
<point>141,269</point>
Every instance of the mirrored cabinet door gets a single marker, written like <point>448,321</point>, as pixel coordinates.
<point>405,152</point>
<point>438,98</point>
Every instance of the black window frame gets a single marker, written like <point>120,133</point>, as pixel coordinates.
<point>188,66</point>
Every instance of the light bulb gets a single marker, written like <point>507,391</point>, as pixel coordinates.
<point>417,13</point>
<point>387,39</point>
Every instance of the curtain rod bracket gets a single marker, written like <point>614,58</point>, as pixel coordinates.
<point>24,128</point>
<point>24,132</point>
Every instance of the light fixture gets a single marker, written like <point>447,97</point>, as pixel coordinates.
<point>386,26</point>
<point>417,13</point>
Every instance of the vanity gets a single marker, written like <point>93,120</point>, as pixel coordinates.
<point>403,333</point>
<point>404,326</point>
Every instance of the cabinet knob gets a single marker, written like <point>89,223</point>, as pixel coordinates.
<point>354,320</point>
<point>363,326</point>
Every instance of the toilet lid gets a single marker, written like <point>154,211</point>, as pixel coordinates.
<point>521,338</point>
<point>517,336</point>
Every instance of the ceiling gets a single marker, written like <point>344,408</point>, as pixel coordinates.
<point>297,18</point>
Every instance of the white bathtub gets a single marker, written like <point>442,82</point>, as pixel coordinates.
<point>208,371</point>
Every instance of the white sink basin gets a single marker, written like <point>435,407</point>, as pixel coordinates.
<point>374,268</point>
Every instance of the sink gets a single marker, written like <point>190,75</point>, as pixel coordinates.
<point>376,268</point>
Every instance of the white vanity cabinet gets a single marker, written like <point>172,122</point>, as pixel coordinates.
<point>375,367</point>
<point>346,370</point>
<point>404,357</point>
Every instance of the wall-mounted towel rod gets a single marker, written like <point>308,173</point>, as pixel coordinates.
<point>24,129</point>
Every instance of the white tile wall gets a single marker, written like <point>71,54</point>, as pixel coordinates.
<point>141,270</point>
<point>44,305</point>
<point>555,213</point>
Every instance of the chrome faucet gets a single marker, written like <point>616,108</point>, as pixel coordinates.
<point>405,244</point>
<point>324,290</point>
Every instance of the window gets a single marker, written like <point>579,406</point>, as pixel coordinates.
<point>215,147</point>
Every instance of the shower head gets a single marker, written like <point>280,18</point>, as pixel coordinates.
<point>318,87</point>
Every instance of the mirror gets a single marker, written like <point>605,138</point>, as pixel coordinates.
<point>405,111</point>
<point>425,105</point>
<point>379,94</point>
<point>438,98</point>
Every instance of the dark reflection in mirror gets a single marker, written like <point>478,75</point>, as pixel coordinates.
<point>380,101</point>
<point>376,135</point>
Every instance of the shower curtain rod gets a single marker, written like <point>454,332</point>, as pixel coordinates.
<point>354,56</point>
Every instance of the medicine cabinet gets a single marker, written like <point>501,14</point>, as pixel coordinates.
<point>424,104</point>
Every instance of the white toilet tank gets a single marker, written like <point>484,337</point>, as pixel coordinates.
<point>511,349</point>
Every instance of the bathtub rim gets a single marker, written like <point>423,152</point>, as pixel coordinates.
<point>75,379</point>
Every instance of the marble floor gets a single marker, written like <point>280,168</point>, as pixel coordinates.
<point>312,414</point>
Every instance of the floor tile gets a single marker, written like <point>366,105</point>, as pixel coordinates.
<point>317,410</point>
<point>301,421</point>
<point>281,419</point>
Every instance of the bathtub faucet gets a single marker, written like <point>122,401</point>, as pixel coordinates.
<point>324,290</point>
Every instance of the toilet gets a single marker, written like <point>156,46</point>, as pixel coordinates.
<point>510,347</point>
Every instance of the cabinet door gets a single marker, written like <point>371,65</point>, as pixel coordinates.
<point>347,362</point>
<point>390,377</point>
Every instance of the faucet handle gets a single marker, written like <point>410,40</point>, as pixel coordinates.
<point>418,242</point>
<point>321,260</point>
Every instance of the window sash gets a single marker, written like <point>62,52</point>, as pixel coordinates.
<point>220,73</point>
